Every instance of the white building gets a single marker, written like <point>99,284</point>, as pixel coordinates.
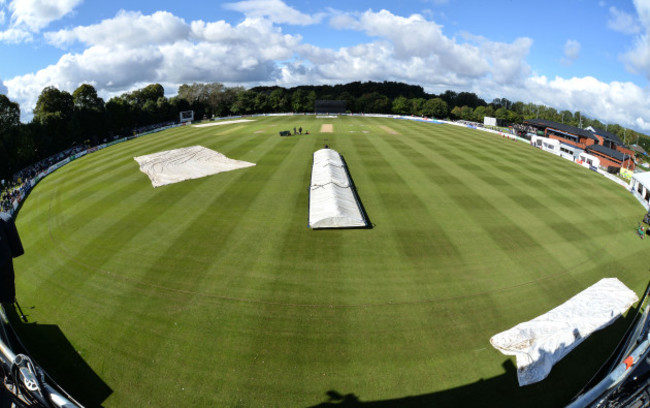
<point>640,187</point>
<point>588,161</point>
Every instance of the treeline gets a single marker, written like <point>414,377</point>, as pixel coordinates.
<point>63,120</point>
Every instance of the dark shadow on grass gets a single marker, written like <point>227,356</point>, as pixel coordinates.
<point>362,209</point>
<point>50,349</point>
<point>565,380</point>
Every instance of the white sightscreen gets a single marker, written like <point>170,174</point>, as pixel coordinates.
<point>332,201</point>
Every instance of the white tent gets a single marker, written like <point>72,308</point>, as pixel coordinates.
<point>332,200</point>
<point>540,343</point>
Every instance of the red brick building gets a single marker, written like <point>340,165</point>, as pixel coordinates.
<point>597,142</point>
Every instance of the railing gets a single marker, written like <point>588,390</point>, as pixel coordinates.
<point>25,382</point>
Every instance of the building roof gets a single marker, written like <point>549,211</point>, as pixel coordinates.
<point>643,178</point>
<point>638,149</point>
<point>562,127</point>
<point>607,135</point>
<point>607,152</point>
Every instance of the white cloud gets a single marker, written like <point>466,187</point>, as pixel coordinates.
<point>129,29</point>
<point>615,102</point>
<point>643,11</point>
<point>571,52</point>
<point>415,49</point>
<point>622,22</point>
<point>3,88</point>
<point>275,11</point>
<point>31,16</point>
<point>15,36</point>
<point>37,14</point>
<point>132,50</point>
<point>637,59</point>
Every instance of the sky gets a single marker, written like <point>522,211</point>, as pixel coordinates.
<point>582,55</point>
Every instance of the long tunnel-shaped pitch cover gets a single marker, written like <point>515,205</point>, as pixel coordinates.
<point>332,200</point>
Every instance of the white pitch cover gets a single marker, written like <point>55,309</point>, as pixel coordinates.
<point>540,343</point>
<point>187,163</point>
<point>332,203</point>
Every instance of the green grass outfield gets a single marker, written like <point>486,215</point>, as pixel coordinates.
<point>214,293</point>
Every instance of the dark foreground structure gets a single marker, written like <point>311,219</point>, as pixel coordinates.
<point>624,380</point>
<point>24,382</point>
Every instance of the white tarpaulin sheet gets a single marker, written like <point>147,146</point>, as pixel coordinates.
<point>193,162</point>
<point>540,343</point>
<point>332,202</point>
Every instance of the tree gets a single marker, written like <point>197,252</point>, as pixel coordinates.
<point>53,112</point>
<point>373,102</point>
<point>149,93</point>
<point>417,106</point>
<point>513,117</point>
<point>9,122</point>
<point>118,115</point>
<point>381,104</point>
<point>469,99</point>
<point>401,106</point>
<point>518,107</point>
<point>449,97</point>
<point>566,116</point>
<point>456,113</point>
<point>85,98</point>
<point>89,114</point>
<point>148,112</point>
<point>479,114</point>
<point>227,100</point>
<point>467,113</point>
<point>261,103</point>
<point>298,100</point>
<point>501,113</point>
<point>310,102</point>
<point>53,104</point>
<point>435,108</point>
<point>208,96</point>
<point>278,100</point>
<point>245,103</point>
<point>9,113</point>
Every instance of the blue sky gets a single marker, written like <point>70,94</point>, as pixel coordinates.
<point>591,56</point>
